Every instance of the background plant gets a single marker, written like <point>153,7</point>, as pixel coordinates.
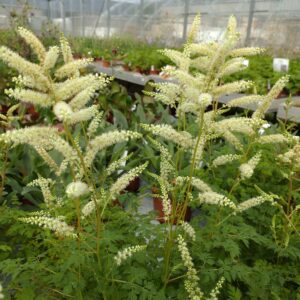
<point>200,71</point>
<point>77,244</point>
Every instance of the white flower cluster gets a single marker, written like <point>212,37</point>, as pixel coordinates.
<point>91,205</point>
<point>30,135</point>
<point>191,283</point>
<point>83,115</point>
<point>230,88</point>
<point>123,181</point>
<point>77,189</point>
<point>242,125</point>
<point>44,184</point>
<point>64,112</point>
<point>193,33</point>
<point>247,169</point>
<point>44,90</point>
<point>47,158</point>
<point>44,220</point>
<point>273,139</point>
<point>196,182</point>
<point>216,199</point>
<point>180,59</point>
<point>204,100</point>
<point>24,67</point>
<point>95,124</point>
<point>66,90</point>
<point>200,148</point>
<point>105,140</point>
<point>68,69</point>
<point>188,229</point>
<point>51,58</point>
<point>43,139</point>
<point>182,138</point>
<point>66,50</point>
<point>216,291</point>
<point>232,66</point>
<point>167,93</point>
<point>187,81</point>
<point>273,93</point>
<point>34,97</point>
<point>255,201</point>
<point>225,159</point>
<point>84,96</point>
<point>248,51</point>
<point>166,202</point>
<point>205,48</point>
<point>126,253</point>
<point>231,26</point>
<point>33,42</point>
<point>117,164</point>
<point>245,100</point>
<point>292,157</point>
<point>166,166</point>
<point>65,149</point>
<point>232,139</point>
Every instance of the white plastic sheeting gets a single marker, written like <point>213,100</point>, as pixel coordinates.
<point>273,23</point>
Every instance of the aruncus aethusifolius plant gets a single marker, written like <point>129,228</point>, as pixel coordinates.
<point>77,198</point>
<point>199,70</point>
<point>62,89</point>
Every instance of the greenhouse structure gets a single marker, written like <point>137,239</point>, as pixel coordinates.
<point>150,149</point>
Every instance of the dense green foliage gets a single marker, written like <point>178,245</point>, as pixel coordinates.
<point>257,251</point>
<point>260,71</point>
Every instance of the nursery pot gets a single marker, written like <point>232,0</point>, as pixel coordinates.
<point>133,185</point>
<point>172,111</point>
<point>158,207</point>
<point>4,109</point>
<point>32,112</point>
<point>105,63</point>
<point>126,68</point>
<point>98,59</point>
<point>138,70</point>
<point>110,117</point>
<point>25,202</point>
<point>116,202</point>
<point>153,71</point>
<point>283,94</point>
<point>77,56</point>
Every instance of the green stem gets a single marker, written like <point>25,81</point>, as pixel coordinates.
<point>170,241</point>
<point>78,211</point>
<point>91,184</point>
<point>192,169</point>
<point>3,173</point>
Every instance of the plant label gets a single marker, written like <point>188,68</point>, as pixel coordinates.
<point>281,64</point>
<point>246,62</point>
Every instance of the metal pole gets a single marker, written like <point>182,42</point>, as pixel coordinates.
<point>108,23</point>
<point>72,16</point>
<point>141,20</point>
<point>81,18</point>
<point>62,15</point>
<point>186,17</point>
<point>99,16</point>
<point>92,7</point>
<point>250,21</point>
<point>49,10</point>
